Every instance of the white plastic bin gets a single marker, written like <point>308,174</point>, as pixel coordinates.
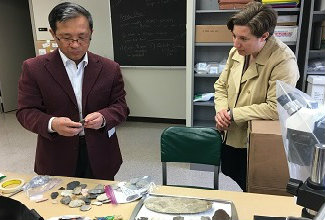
<point>316,87</point>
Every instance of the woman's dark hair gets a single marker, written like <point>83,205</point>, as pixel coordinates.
<point>66,11</point>
<point>258,17</point>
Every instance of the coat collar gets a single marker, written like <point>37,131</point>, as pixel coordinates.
<point>57,70</point>
<point>261,59</point>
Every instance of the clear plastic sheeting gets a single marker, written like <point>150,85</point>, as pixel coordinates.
<point>40,184</point>
<point>303,125</point>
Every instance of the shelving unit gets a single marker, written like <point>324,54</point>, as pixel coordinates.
<point>311,25</point>
<point>206,12</point>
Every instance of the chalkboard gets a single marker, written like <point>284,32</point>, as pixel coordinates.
<point>149,32</point>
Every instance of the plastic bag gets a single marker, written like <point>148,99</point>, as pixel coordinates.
<point>207,68</point>
<point>40,184</point>
<point>124,192</point>
<point>302,125</point>
<point>203,97</point>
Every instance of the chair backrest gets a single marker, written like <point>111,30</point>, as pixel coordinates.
<point>200,145</point>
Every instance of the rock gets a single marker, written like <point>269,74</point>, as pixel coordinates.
<point>97,203</point>
<point>106,201</point>
<point>61,188</point>
<point>54,195</point>
<point>178,218</point>
<point>66,193</point>
<point>142,218</point>
<point>76,203</point>
<point>91,196</point>
<point>99,186</point>
<point>85,208</point>
<point>102,197</point>
<point>83,186</point>
<point>72,185</point>
<point>96,191</point>
<point>220,214</point>
<point>77,190</point>
<point>65,200</point>
<point>86,200</point>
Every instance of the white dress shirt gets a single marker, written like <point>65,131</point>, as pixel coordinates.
<point>76,75</point>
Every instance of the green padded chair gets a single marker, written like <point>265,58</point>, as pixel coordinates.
<point>191,145</point>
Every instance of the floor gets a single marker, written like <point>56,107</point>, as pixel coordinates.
<point>139,143</point>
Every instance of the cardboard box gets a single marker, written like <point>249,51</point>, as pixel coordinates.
<point>316,88</point>
<point>286,33</point>
<point>268,171</point>
<point>45,46</point>
<point>212,34</point>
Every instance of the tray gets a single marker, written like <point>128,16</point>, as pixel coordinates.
<point>141,211</point>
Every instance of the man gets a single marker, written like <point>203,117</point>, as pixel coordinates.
<point>73,99</point>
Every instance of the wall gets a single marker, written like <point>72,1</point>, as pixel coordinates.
<point>16,43</point>
<point>151,92</point>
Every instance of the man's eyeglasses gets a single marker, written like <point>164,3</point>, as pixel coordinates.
<point>80,40</point>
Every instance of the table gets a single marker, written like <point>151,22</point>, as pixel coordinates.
<point>247,204</point>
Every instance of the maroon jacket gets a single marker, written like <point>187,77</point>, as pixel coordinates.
<point>45,91</point>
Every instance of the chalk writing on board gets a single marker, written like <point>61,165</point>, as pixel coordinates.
<point>149,32</point>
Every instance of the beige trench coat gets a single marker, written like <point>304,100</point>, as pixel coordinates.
<point>257,99</point>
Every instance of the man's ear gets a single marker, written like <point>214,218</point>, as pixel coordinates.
<point>265,36</point>
<point>52,33</point>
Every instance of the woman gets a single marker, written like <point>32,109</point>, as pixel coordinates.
<point>246,88</point>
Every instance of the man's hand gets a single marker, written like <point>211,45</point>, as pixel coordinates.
<point>64,126</point>
<point>94,120</point>
<point>223,120</point>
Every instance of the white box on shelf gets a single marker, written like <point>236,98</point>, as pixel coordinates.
<point>286,33</point>
<point>316,87</point>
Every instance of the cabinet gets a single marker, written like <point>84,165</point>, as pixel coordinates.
<point>310,43</point>
<point>206,12</point>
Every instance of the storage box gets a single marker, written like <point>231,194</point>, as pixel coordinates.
<point>45,46</point>
<point>286,33</point>
<point>287,20</point>
<point>212,34</point>
<point>316,87</point>
<point>268,171</point>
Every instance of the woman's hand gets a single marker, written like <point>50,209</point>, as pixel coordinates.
<point>223,120</point>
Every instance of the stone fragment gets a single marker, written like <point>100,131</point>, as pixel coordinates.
<point>84,192</point>
<point>72,185</point>
<point>142,218</point>
<point>86,200</point>
<point>220,214</point>
<point>61,188</point>
<point>54,195</point>
<point>99,186</point>
<point>83,186</point>
<point>85,208</point>
<point>91,196</point>
<point>65,200</point>
<point>102,197</point>
<point>76,203</point>
<point>97,203</point>
<point>66,193</point>
<point>106,201</point>
<point>77,190</point>
<point>96,191</point>
<point>178,218</point>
